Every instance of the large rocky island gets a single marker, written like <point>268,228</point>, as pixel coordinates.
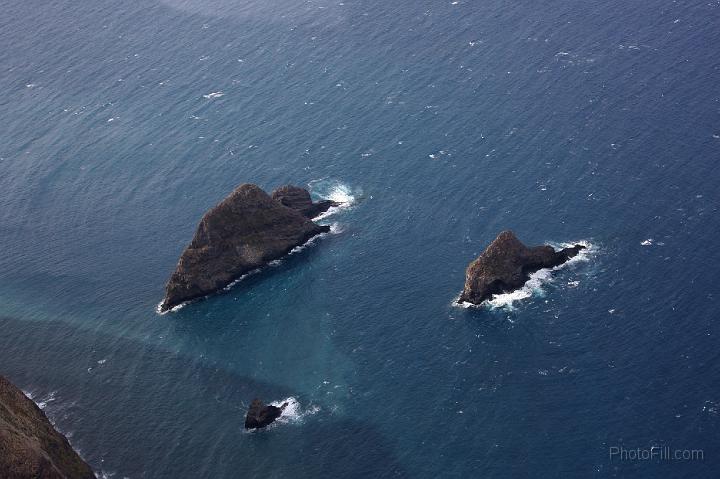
<point>506,265</point>
<point>30,448</point>
<point>245,231</point>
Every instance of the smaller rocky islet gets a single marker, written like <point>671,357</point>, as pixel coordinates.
<point>260,415</point>
<point>506,265</point>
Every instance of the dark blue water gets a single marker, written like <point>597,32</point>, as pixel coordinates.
<point>445,122</point>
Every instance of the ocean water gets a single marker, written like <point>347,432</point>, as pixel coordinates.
<point>443,123</point>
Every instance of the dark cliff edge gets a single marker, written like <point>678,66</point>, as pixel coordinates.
<point>506,265</point>
<point>30,447</point>
<point>245,231</point>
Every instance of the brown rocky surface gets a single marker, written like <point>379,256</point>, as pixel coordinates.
<point>507,264</point>
<point>30,447</point>
<point>245,231</point>
<point>299,199</point>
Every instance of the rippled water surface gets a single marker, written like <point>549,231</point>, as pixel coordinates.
<point>442,123</point>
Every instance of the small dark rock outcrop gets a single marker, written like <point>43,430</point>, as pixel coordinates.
<point>506,265</point>
<point>245,231</point>
<point>30,448</point>
<point>259,415</point>
<point>299,199</point>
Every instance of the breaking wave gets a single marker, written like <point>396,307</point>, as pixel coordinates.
<point>336,191</point>
<point>535,286</point>
<point>294,413</point>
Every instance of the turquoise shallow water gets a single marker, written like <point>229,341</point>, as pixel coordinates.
<point>445,123</point>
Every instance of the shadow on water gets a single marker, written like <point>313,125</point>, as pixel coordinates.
<point>137,410</point>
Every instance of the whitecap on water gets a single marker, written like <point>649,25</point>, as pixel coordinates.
<point>533,286</point>
<point>43,403</point>
<point>158,308</point>
<point>294,412</point>
<point>213,95</point>
<point>336,191</point>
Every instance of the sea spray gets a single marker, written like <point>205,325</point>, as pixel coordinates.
<point>535,285</point>
<point>334,190</point>
<point>294,413</point>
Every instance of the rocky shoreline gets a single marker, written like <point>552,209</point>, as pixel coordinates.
<point>30,447</point>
